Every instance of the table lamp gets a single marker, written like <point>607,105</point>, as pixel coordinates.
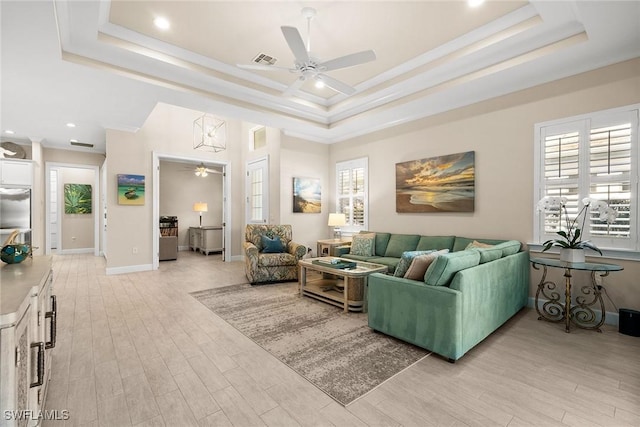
<point>200,207</point>
<point>336,220</point>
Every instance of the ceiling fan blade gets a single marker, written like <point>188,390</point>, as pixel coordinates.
<point>294,86</point>
<point>261,67</point>
<point>336,85</point>
<point>348,60</point>
<point>296,44</point>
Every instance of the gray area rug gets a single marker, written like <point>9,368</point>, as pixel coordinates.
<point>335,351</point>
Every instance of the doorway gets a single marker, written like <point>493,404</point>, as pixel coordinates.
<point>184,206</point>
<point>71,233</point>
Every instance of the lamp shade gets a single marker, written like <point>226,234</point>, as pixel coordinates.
<point>337,219</point>
<point>200,207</point>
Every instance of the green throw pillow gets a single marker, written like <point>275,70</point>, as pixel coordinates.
<point>442,270</point>
<point>363,244</point>
<point>488,254</point>
<point>271,245</point>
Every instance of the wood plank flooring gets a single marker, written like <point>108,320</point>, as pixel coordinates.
<point>137,350</point>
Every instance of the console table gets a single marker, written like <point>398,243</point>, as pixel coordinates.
<point>581,314</point>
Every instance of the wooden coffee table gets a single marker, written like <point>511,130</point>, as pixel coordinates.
<point>345,288</point>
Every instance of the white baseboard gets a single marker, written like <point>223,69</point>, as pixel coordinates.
<point>76,251</point>
<point>129,269</point>
<point>609,317</point>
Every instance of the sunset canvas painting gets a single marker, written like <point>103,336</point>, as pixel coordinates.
<point>437,184</point>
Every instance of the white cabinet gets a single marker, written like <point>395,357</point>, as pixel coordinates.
<point>16,172</point>
<point>27,332</point>
<point>205,239</point>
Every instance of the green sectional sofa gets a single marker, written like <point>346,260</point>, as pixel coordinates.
<point>466,294</point>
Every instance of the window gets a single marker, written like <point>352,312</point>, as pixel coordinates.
<point>593,156</point>
<point>258,137</point>
<point>351,193</point>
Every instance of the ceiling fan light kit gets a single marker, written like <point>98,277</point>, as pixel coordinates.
<point>210,133</point>
<point>310,68</point>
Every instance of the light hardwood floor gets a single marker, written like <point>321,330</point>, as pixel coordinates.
<point>137,349</point>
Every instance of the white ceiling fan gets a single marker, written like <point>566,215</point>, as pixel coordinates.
<point>202,170</point>
<point>310,68</point>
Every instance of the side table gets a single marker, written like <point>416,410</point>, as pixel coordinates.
<point>581,314</point>
<point>328,247</point>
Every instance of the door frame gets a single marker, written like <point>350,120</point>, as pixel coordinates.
<point>94,205</point>
<point>226,202</point>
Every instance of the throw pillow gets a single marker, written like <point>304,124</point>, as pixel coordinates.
<point>419,266</point>
<point>271,245</point>
<point>406,259</point>
<point>476,244</point>
<point>363,244</point>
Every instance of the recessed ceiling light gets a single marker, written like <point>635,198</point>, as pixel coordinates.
<point>474,3</point>
<point>9,132</point>
<point>71,125</point>
<point>162,23</point>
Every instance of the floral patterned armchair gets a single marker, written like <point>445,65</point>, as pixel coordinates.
<point>263,267</point>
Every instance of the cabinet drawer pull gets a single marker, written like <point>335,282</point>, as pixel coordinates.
<point>40,346</point>
<point>52,315</point>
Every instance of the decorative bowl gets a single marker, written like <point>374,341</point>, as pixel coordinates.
<point>15,253</point>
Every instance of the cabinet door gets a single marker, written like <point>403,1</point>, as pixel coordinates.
<point>16,370</point>
<point>14,172</point>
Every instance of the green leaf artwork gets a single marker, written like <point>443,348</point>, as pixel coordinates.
<point>77,199</point>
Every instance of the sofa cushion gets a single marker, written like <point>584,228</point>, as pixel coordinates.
<point>390,262</point>
<point>363,244</point>
<point>276,260</point>
<point>271,245</point>
<point>435,242</point>
<point>509,248</point>
<point>442,270</point>
<point>488,254</point>
<point>420,264</point>
<point>399,243</point>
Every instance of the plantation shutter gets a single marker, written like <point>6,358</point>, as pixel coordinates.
<point>595,157</point>
<point>351,192</point>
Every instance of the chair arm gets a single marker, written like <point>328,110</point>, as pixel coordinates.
<point>297,250</point>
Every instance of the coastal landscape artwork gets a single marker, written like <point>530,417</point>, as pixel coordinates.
<point>307,195</point>
<point>436,184</point>
<point>130,189</point>
<point>77,199</point>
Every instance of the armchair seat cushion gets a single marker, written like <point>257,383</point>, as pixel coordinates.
<point>276,259</point>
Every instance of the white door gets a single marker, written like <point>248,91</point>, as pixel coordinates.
<point>53,208</point>
<point>257,191</point>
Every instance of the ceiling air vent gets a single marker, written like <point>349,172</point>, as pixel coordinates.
<point>81,144</point>
<point>264,59</point>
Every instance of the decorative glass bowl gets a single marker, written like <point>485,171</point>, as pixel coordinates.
<point>15,253</point>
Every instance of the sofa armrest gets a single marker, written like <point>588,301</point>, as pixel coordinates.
<point>493,292</point>
<point>297,250</point>
<point>410,310</point>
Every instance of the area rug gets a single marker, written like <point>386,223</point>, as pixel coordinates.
<point>334,350</point>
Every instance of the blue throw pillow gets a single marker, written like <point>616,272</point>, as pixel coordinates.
<point>272,245</point>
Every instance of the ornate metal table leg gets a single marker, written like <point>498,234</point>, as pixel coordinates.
<point>552,310</point>
<point>582,315</point>
<point>567,300</point>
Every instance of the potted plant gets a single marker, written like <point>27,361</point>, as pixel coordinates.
<point>570,242</point>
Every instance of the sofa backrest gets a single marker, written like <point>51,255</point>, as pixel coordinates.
<point>428,243</point>
<point>461,243</point>
<point>254,232</point>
